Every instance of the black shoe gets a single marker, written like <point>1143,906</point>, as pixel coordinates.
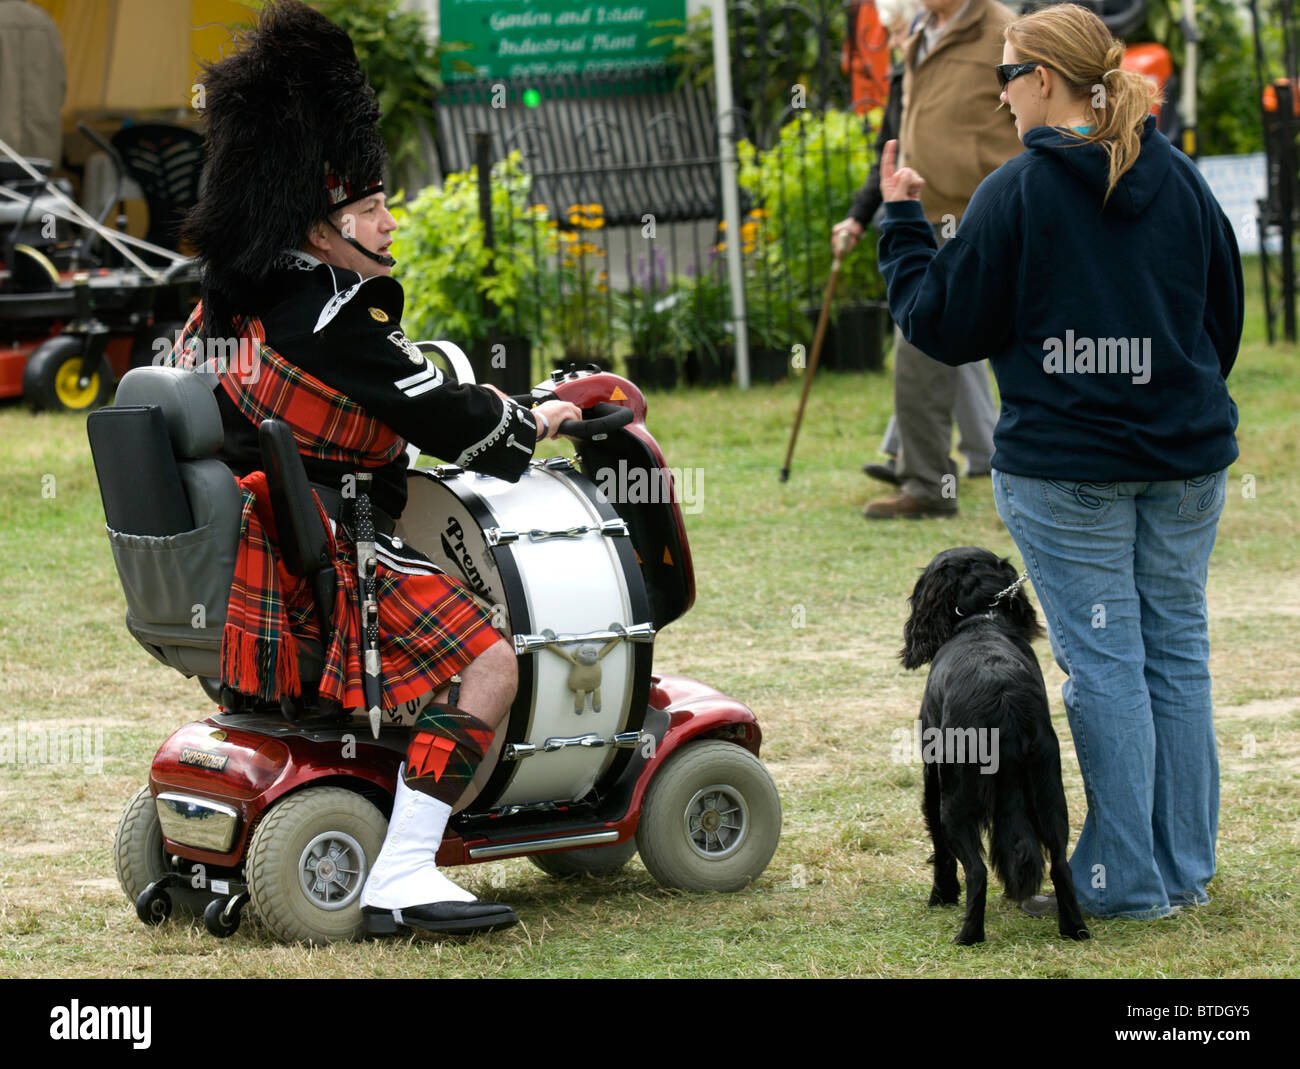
<point>440,917</point>
<point>886,472</point>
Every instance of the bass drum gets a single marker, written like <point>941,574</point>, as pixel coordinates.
<point>555,567</point>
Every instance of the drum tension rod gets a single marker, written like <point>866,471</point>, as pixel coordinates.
<point>498,536</point>
<point>517,751</point>
<point>634,633</point>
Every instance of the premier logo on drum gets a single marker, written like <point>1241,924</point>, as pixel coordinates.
<point>652,486</point>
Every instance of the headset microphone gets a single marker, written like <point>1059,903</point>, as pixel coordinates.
<point>379,258</point>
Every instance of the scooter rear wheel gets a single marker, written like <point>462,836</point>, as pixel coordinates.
<point>711,818</point>
<point>595,861</point>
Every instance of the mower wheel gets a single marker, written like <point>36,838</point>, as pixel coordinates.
<point>52,378</point>
<point>141,859</point>
<point>711,818</point>
<point>595,861</point>
<point>308,862</point>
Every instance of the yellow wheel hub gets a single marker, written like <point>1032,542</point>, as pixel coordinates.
<point>66,388</point>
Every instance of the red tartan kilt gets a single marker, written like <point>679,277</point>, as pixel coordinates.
<point>430,628</point>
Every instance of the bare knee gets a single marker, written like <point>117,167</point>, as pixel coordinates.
<point>489,683</point>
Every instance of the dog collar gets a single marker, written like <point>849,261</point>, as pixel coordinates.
<point>1008,592</point>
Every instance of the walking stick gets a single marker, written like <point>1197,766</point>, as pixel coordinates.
<point>818,338</point>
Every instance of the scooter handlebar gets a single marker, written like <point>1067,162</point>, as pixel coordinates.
<point>606,418</point>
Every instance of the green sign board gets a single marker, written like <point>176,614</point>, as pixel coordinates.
<point>526,38</point>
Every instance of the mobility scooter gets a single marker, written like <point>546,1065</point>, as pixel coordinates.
<point>283,808</point>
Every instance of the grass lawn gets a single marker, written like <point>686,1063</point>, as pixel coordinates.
<point>799,614</point>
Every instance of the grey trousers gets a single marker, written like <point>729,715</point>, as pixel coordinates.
<point>974,413</point>
<point>928,395</point>
<point>926,398</point>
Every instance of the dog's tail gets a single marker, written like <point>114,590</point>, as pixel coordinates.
<point>1017,855</point>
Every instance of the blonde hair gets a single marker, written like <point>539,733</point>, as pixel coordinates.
<point>1076,45</point>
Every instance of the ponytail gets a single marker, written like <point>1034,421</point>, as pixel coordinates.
<point>1076,45</point>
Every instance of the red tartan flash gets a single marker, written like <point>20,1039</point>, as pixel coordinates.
<point>429,753</point>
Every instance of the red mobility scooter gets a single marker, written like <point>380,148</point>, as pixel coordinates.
<point>601,756</point>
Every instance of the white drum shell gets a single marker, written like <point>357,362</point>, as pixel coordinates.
<point>567,585</point>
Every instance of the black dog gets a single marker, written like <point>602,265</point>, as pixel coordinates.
<point>991,756</point>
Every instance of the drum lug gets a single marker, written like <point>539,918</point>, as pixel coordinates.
<point>496,536</point>
<point>556,464</point>
<point>447,471</point>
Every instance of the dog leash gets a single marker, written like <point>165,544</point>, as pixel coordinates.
<point>1008,592</point>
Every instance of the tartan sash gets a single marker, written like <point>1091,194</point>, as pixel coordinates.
<point>258,650</point>
<point>262,384</point>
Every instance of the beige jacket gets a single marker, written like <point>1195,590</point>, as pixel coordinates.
<point>952,133</point>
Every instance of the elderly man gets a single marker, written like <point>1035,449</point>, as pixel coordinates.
<point>293,234</point>
<point>953,135</point>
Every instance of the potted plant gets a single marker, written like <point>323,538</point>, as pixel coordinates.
<point>459,290</point>
<point>705,323</point>
<point>575,296</point>
<point>804,185</point>
<point>650,313</point>
<point>770,322</point>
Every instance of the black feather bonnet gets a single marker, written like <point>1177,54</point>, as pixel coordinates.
<point>292,135</point>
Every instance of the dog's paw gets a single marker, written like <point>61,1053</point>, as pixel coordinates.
<point>969,937</point>
<point>1077,934</point>
<point>940,897</point>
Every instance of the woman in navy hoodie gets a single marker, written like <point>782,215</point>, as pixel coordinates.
<point>1100,276</point>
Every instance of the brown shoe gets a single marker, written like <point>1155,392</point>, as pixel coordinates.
<point>890,508</point>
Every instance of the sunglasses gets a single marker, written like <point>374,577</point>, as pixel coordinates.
<point>1010,71</point>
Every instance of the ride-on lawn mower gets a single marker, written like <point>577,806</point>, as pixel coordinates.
<point>284,807</point>
<point>72,322</point>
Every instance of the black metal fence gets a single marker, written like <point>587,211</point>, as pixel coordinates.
<point>622,224</point>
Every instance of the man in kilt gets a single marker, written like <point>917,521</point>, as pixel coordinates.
<point>293,234</point>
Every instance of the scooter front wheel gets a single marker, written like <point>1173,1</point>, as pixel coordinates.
<point>140,859</point>
<point>308,861</point>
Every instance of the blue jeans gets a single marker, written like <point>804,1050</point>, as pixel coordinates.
<point>1119,569</point>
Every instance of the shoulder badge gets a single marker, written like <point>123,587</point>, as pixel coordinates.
<point>379,315</point>
<point>408,347</point>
